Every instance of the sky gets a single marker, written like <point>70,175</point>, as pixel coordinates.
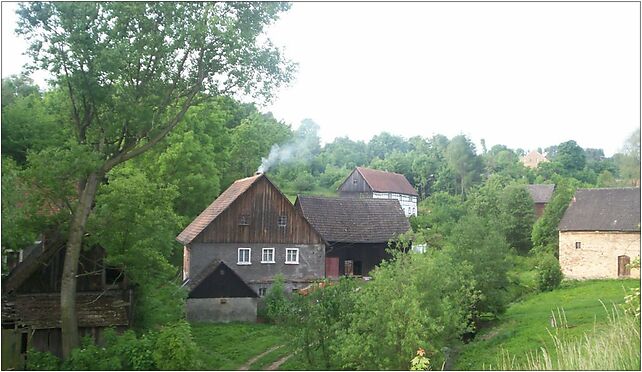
<point>524,75</point>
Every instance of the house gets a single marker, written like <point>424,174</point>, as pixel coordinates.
<point>255,232</point>
<point>541,194</point>
<point>599,234</point>
<point>31,300</point>
<point>377,184</point>
<point>356,231</point>
<point>533,159</point>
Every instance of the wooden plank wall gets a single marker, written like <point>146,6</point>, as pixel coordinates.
<point>263,204</point>
<point>350,187</point>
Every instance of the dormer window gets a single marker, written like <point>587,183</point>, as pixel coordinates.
<point>282,221</point>
<point>244,220</point>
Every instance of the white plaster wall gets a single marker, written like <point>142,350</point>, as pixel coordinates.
<point>598,256</point>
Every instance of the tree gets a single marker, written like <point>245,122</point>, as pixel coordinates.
<point>131,71</point>
<point>461,158</point>
<point>544,236</point>
<point>629,162</point>
<point>571,156</point>
<point>518,217</point>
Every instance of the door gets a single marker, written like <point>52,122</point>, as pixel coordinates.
<point>623,269</point>
<point>348,267</point>
<point>332,267</point>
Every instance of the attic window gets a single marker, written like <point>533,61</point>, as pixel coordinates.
<point>578,245</point>
<point>282,221</point>
<point>244,220</point>
<point>354,181</point>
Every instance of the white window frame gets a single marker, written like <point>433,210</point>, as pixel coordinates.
<point>264,290</point>
<point>263,255</point>
<point>297,256</point>
<point>249,256</point>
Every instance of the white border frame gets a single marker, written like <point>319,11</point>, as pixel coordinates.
<point>238,255</point>
<point>297,256</point>
<point>273,255</point>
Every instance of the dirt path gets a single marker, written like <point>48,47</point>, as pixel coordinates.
<point>274,366</point>
<point>246,365</point>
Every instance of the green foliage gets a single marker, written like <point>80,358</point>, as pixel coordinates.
<point>174,348</point>
<point>549,273</point>
<point>570,156</point>
<point>277,305</point>
<point>461,158</point>
<point>420,362</point>
<point>518,217</point>
<point>39,361</point>
<point>90,357</point>
<point>545,229</point>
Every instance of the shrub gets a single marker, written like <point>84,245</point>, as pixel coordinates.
<point>276,302</point>
<point>175,348</point>
<point>89,357</point>
<point>549,273</point>
<point>39,361</point>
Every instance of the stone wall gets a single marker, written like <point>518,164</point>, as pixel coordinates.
<point>222,310</point>
<point>597,257</point>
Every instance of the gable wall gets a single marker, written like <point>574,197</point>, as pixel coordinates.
<point>263,204</point>
<point>598,255</point>
<point>349,187</point>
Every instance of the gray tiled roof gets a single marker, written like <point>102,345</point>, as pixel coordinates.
<point>614,209</point>
<point>541,193</point>
<point>354,220</point>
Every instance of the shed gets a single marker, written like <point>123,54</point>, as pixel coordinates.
<point>541,194</point>
<point>219,294</point>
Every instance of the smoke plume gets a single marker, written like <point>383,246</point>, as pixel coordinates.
<point>300,148</point>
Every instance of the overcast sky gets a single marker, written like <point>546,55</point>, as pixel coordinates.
<point>525,75</point>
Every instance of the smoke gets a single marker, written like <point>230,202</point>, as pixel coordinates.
<point>300,148</point>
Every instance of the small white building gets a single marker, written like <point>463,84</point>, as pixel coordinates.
<point>377,184</point>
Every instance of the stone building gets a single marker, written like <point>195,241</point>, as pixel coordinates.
<point>599,234</point>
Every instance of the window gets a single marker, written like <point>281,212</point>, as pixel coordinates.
<point>354,181</point>
<point>262,291</point>
<point>245,256</point>
<point>267,255</point>
<point>578,245</point>
<point>244,220</point>
<point>282,221</point>
<point>291,255</point>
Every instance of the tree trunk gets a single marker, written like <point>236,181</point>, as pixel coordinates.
<point>68,316</point>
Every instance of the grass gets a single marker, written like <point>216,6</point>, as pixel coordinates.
<point>523,328</point>
<point>228,346</point>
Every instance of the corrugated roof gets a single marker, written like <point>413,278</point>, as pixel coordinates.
<point>613,209</point>
<point>354,220</point>
<point>381,181</point>
<point>216,208</point>
<point>541,193</point>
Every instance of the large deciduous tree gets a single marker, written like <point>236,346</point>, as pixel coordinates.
<point>131,71</point>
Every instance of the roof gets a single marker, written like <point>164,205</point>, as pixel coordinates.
<point>218,280</point>
<point>541,193</point>
<point>354,220</point>
<point>613,209</point>
<point>381,181</point>
<point>38,257</point>
<point>216,208</point>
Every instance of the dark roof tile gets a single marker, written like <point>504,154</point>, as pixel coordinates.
<point>541,193</point>
<point>614,209</point>
<point>354,220</point>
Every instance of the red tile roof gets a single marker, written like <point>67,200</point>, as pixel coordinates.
<point>381,181</point>
<point>216,208</point>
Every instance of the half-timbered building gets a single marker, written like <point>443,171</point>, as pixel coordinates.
<point>377,184</point>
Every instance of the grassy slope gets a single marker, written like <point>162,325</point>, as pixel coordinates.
<point>523,328</point>
<point>228,346</point>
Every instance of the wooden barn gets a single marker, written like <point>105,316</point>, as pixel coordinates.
<point>256,232</point>
<point>541,194</point>
<point>377,184</point>
<point>356,231</point>
<point>31,300</point>
<point>599,234</point>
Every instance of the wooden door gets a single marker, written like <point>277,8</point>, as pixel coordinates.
<point>332,267</point>
<point>623,269</point>
<point>348,268</point>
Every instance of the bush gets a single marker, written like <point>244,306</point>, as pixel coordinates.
<point>549,273</point>
<point>39,361</point>
<point>276,301</point>
<point>90,357</point>
<point>175,348</point>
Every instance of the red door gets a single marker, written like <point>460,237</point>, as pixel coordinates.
<point>332,267</point>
